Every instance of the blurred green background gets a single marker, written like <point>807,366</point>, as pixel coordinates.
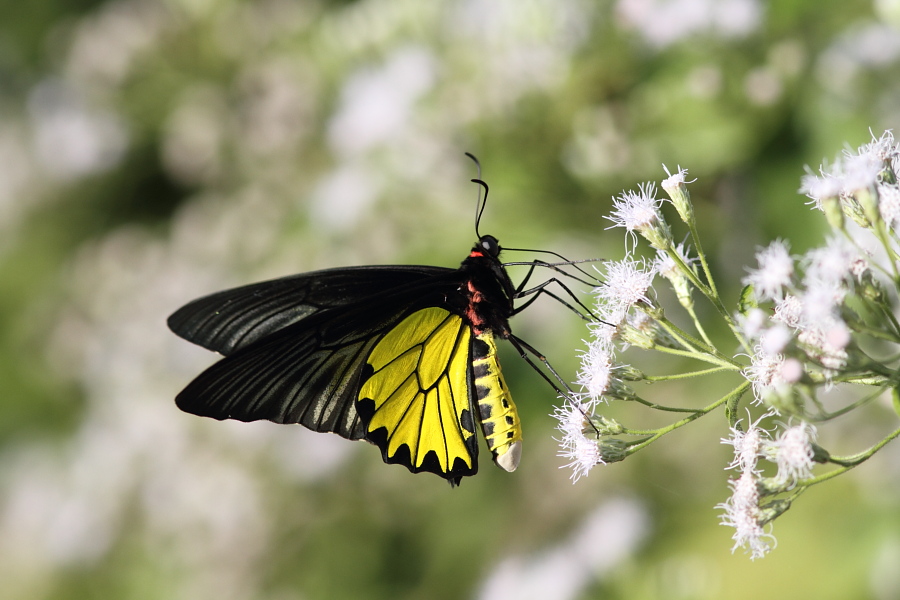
<point>155,150</point>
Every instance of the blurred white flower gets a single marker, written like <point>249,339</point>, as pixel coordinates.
<point>775,272</point>
<point>344,197</point>
<point>789,310</point>
<point>753,323</point>
<point>377,103</point>
<point>831,264</point>
<point>775,339</point>
<point>607,537</point>
<point>665,22</point>
<point>792,451</point>
<point>828,184</point>
<point>73,139</point>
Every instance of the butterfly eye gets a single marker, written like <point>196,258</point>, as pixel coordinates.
<point>490,245</point>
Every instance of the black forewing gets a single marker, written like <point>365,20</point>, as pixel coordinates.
<point>232,319</point>
<point>308,372</point>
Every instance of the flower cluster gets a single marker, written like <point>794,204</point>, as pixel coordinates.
<point>806,327</point>
<point>793,452</point>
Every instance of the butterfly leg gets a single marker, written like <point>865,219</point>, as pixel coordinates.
<point>526,351</point>
<point>541,288</point>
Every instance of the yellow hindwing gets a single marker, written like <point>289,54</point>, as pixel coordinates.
<point>418,392</point>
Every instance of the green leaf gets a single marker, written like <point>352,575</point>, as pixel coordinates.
<point>747,300</point>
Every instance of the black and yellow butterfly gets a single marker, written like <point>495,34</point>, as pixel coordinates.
<point>401,356</point>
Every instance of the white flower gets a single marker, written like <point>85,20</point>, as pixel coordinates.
<point>823,333</point>
<point>791,370</point>
<point>775,339</point>
<point>633,210</point>
<point>863,168</point>
<point>833,263</point>
<point>582,452</point>
<point>882,149</point>
<point>753,323</point>
<point>838,336</point>
<point>676,179</point>
<point>775,272</point>
<point>742,512</point>
<point>829,185</point>
<point>571,419</point>
<point>816,342</point>
<point>627,282</point>
<point>748,444</point>
<point>821,301</point>
<point>676,187</point>
<point>792,451</point>
<point>665,266</point>
<point>596,369</point>
<point>861,172</point>
<point>889,204</point>
<point>605,332</point>
<point>639,212</point>
<point>789,310</point>
<point>764,373</point>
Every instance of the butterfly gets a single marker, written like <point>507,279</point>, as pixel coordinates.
<point>402,356</point>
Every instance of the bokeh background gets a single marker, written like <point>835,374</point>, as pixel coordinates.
<point>155,150</point>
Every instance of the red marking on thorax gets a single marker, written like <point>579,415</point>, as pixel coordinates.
<point>475,297</point>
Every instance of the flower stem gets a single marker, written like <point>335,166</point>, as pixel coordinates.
<point>848,462</point>
<point>658,433</point>
<point>676,376</point>
<point>723,362</point>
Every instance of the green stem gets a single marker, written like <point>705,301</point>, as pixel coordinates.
<point>849,462</point>
<point>699,325</point>
<point>714,360</point>
<point>711,370</point>
<point>713,292</point>
<point>864,380</point>
<point>876,333</point>
<point>658,433</point>
<point>692,343</point>
<point>881,234</point>
<point>687,341</point>
<point>710,290</point>
<point>689,272</point>
<point>891,318</point>
<point>663,407</point>
<point>842,411</point>
<point>695,236</point>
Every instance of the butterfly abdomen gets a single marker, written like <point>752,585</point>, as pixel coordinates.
<point>499,417</point>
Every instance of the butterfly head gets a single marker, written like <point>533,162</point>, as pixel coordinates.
<point>487,245</point>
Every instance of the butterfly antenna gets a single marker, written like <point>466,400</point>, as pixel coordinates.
<point>482,202</point>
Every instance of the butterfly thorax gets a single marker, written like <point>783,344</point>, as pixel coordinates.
<point>486,289</point>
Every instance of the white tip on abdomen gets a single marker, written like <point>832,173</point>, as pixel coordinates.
<point>509,460</point>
